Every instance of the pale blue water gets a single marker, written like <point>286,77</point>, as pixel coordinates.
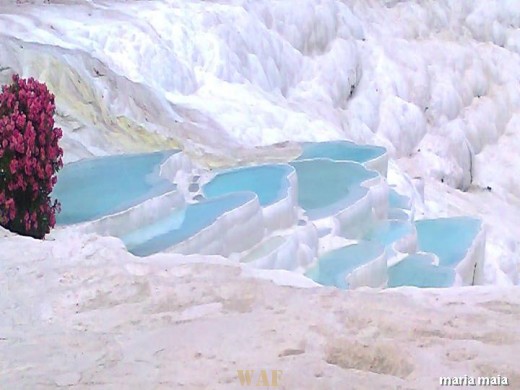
<point>269,182</point>
<point>417,270</point>
<point>263,249</point>
<point>92,188</point>
<point>340,151</point>
<point>388,232</point>
<point>448,238</point>
<point>326,187</point>
<point>334,266</point>
<point>398,214</point>
<point>398,201</point>
<point>181,224</point>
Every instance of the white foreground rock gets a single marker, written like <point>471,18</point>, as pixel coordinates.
<point>436,83</point>
<point>89,315</point>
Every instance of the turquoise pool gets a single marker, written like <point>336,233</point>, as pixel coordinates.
<point>334,266</point>
<point>179,225</point>
<point>268,182</point>
<point>448,238</point>
<point>340,151</point>
<point>388,232</point>
<point>326,187</point>
<point>92,188</point>
<point>329,177</point>
<point>398,214</point>
<point>417,270</point>
<point>398,201</point>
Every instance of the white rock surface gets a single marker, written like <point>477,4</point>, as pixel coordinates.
<point>90,315</point>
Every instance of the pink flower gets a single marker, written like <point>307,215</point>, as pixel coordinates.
<point>30,151</point>
<point>13,166</point>
<point>20,121</point>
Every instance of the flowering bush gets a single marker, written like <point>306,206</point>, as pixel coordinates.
<point>29,158</point>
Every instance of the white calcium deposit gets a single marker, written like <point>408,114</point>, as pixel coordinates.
<point>90,315</point>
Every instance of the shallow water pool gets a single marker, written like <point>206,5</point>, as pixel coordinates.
<point>326,187</point>
<point>417,270</point>
<point>398,201</point>
<point>388,232</point>
<point>93,188</point>
<point>340,151</point>
<point>268,182</point>
<point>448,238</point>
<point>180,224</point>
<point>334,266</point>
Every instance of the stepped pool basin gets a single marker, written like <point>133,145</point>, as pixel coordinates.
<point>398,201</point>
<point>93,188</point>
<point>418,270</point>
<point>269,182</point>
<point>340,151</point>
<point>399,206</point>
<point>284,249</point>
<point>326,187</point>
<point>388,232</point>
<point>180,224</point>
<point>448,238</point>
<point>263,249</point>
<point>247,211</point>
<point>334,267</point>
<point>398,214</point>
